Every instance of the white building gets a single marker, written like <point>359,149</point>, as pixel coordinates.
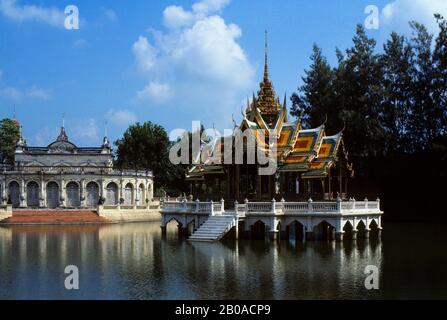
<point>63,175</point>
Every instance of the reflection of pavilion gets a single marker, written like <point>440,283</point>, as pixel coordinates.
<point>63,175</point>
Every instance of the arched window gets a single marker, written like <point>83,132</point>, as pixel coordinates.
<point>128,194</point>
<point>14,194</point>
<point>73,199</point>
<point>111,194</point>
<point>92,194</point>
<point>32,194</point>
<point>52,195</point>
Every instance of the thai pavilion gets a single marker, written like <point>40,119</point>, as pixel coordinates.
<point>62,175</point>
<point>310,163</point>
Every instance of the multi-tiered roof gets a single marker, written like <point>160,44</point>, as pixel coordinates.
<point>309,151</point>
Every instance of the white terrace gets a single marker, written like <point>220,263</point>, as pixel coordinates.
<point>276,216</point>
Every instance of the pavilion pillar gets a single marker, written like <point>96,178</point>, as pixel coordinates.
<point>236,182</point>
<point>258,185</point>
<point>329,177</point>
<point>42,192</point>
<point>324,189</point>
<point>339,236</point>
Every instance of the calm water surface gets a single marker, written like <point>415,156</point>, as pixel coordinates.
<point>133,261</point>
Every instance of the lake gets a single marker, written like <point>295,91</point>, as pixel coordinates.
<point>134,261</point>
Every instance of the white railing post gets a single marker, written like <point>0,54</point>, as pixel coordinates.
<point>222,209</point>
<point>309,205</point>
<point>339,201</point>
<point>283,205</point>
<point>378,203</point>
<point>212,207</point>
<point>366,203</point>
<point>235,208</point>
<point>197,204</point>
<point>273,206</point>
<point>353,203</point>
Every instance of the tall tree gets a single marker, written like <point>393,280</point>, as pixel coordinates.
<point>440,66</point>
<point>396,62</point>
<point>9,135</point>
<point>358,93</point>
<point>146,146</point>
<point>424,115</point>
<point>315,98</point>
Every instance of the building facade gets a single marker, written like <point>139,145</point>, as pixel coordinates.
<point>64,176</point>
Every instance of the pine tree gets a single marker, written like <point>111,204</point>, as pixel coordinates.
<point>396,62</point>
<point>315,98</point>
<point>440,75</point>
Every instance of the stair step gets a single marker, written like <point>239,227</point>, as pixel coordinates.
<point>212,229</point>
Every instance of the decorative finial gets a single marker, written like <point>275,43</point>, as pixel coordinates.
<point>105,128</point>
<point>63,119</point>
<point>266,73</point>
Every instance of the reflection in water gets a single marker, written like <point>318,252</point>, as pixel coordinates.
<point>133,261</point>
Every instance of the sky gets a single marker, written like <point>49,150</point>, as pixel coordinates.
<point>169,62</point>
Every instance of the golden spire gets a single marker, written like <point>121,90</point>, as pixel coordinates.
<point>266,71</point>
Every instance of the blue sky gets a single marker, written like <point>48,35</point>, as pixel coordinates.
<point>169,62</point>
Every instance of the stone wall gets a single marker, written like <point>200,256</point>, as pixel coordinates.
<point>5,212</point>
<point>130,214</point>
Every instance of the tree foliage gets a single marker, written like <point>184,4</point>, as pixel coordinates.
<point>9,135</point>
<point>392,102</point>
<point>146,146</point>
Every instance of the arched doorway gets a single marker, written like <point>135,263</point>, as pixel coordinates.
<point>32,194</point>
<point>52,195</point>
<point>296,232</point>
<point>14,194</point>
<point>324,231</point>
<point>112,194</point>
<point>128,194</point>
<point>92,198</point>
<point>73,199</point>
<point>141,201</point>
<point>259,230</point>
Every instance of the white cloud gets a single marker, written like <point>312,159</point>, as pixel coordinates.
<point>396,15</point>
<point>21,13</point>
<point>110,14</point>
<point>199,55</point>
<point>80,43</point>
<point>144,53</point>
<point>155,91</point>
<point>17,94</point>
<point>38,93</point>
<point>86,130</point>
<point>121,117</point>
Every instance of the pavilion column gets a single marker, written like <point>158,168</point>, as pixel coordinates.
<point>324,189</point>
<point>340,181</point>
<point>23,193</point>
<point>82,192</point>
<point>258,185</point>
<point>62,194</point>
<point>42,197</point>
<point>227,183</point>
<point>236,182</point>
<point>329,177</point>
<point>2,192</point>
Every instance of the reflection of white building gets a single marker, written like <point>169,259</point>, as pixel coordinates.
<point>63,175</point>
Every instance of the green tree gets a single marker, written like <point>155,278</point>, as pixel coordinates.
<point>397,71</point>
<point>358,95</point>
<point>315,98</point>
<point>146,146</point>
<point>9,135</point>
<point>440,79</point>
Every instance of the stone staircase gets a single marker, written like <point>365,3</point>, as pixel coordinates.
<point>214,228</point>
<point>56,216</point>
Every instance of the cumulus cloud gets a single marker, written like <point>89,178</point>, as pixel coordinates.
<point>17,94</point>
<point>38,93</point>
<point>196,58</point>
<point>110,14</point>
<point>396,14</point>
<point>121,117</point>
<point>21,13</point>
<point>86,130</point>
<point>155,91</point>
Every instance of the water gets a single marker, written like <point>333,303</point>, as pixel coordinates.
<point>133,261</point>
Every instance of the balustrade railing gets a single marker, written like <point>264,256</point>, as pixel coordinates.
<point>273,207</point>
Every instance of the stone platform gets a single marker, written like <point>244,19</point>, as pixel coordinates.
<point>57,216</point>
